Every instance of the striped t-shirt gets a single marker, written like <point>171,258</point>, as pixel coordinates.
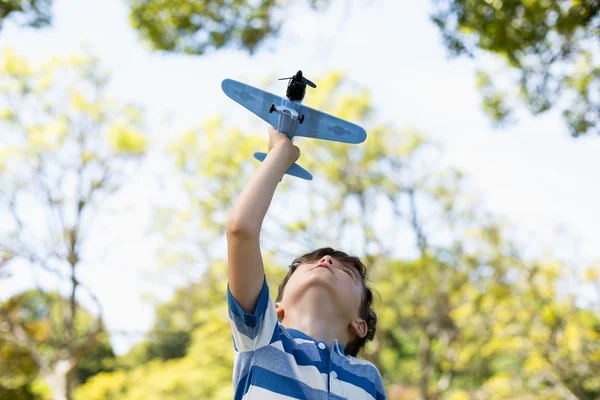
<point>273,362</point>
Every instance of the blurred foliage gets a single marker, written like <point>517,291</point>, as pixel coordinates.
<point>65,147</point>
<point>206,369</point>
<point>17,372</point>
<point>550,50</point>
<point>462,315</point>
<point>195,26</point>
<point>40,314</point>
<point>33,13</point>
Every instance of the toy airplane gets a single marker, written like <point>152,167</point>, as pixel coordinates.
<point>292,118</point>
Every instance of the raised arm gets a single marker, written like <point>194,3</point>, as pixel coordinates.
<point>246,270</point>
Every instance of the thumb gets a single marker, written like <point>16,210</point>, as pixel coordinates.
<point>296,152</point>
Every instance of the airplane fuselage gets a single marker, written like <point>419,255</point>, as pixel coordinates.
<point>288,117</point>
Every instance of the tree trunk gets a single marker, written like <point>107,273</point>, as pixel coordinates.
<point>59,380</point>
<point>425,363</point>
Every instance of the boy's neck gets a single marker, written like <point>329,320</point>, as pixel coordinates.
<point>317,319</point>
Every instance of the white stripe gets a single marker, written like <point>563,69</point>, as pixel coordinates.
<point>242,342</point>
<point>348,390</point>
<point>303,341</point>
<point>256,392</point>
<point>307,374</point>
<point>267,326</point>
<point>358,361</point>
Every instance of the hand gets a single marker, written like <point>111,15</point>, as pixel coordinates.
<point>279,140</point>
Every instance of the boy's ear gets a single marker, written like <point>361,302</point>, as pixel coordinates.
<point>280,311</point>
<point>359,327</point>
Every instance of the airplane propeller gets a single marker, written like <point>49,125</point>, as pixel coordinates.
<point>299,77</point>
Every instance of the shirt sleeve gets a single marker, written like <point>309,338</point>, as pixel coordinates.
<point>255,330</point>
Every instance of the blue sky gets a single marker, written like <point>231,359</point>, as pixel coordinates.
<point>533,174</point>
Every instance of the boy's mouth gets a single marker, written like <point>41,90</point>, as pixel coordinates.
<point>323,265</point>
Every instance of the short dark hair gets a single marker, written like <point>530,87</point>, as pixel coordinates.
<point>365,311</point>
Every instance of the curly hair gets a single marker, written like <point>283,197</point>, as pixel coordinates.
<point>365,311</point>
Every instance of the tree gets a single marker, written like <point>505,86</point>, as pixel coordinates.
<point>557,341</point>
<point>38,312</point>
<point>65,148</point>
<point>17,373</point>
<point>33,13</point>
<point>192,27</point>
<point>550,49</point>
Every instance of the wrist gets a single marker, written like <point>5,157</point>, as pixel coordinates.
<point>287,151</point>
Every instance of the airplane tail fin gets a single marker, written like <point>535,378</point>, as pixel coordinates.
<point>294,170</point>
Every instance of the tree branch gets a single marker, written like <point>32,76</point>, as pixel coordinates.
<point>21,338</point>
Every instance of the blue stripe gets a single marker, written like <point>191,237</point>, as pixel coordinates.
<point>244,323</point>
<point>252,319</point>
<point>302,359</point>
<point>276,333</point>
<point>242,387</point>
<point>305,354</point>
<point>361,381</point>
<point>270,358</point>
<point>309,350</point>
<point>286,386</point>
<point>241,327</point>
<point>243,365</point>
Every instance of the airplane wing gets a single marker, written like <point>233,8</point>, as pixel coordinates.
<point>324,126</point>
<point>294,169</point>
<point>256,100</point>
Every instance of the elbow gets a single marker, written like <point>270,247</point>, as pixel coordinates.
<point>237,229</point>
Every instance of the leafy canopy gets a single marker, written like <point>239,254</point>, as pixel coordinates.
<point>550,49</point>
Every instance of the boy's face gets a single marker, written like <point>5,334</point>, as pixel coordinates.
<point>341,281</point>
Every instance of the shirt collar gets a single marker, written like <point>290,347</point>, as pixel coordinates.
<point>296,334</point>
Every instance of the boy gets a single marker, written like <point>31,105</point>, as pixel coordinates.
<point>303,346</point>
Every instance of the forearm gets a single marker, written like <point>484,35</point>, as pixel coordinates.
<point>250,209</point>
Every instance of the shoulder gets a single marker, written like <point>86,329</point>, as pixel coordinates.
<point>366,369</point>
<point>359,361</point>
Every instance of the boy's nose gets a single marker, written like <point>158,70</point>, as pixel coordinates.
<point>327,259</point>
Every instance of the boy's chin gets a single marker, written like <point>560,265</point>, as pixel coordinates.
<point>318,288</point>
<point>319,279</point>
